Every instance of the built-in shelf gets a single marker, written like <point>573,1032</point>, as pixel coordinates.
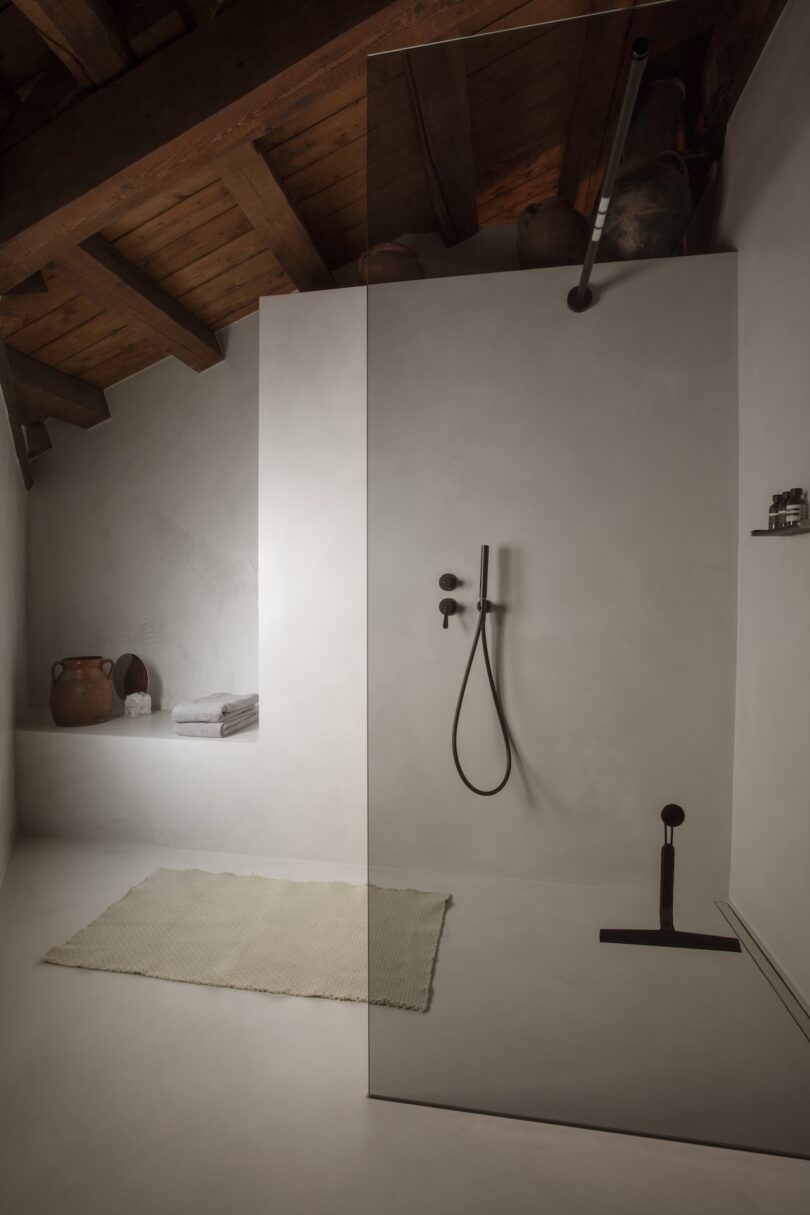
<point>157,725</point>
<point>783,532</point>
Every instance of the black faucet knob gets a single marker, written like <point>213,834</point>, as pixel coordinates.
<point>448,582</point>
<point>672,815</point>
<point>448,608</point>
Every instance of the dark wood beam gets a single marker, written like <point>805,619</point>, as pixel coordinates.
<point>743,27</point>
<point>606,45</point>
<point>9,104</point>
<point>85,34</point>
<point>437,83</point>
<point>37,439</point>
<point>9,391</point>
<point>205,10</point>
<point>222,85</point>
<point>260,194</point>
<point>52,91</point>
<point>33,285</point>
<point>42,392</point>
<point>104,275</point>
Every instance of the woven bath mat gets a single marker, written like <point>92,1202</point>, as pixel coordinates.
<point>328,939</point>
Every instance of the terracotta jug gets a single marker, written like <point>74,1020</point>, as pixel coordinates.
<point>389,262</point>
<point>649,212</point>
<point>82,692</point>
<point>551,233</point>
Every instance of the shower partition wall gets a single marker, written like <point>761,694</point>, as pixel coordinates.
<point>596,455</point>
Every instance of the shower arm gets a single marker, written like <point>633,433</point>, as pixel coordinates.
<point>580,297</point>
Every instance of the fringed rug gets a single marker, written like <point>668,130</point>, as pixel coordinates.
<point>327,939</point>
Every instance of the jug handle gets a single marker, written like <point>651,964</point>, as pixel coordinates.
<point>108,673</point>
<point>54,676</point>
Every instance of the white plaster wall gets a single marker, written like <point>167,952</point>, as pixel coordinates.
<point>312,559</point>
<point>12,635</point>
<point>297,788</point>
<point>597,455</point>
<point>143,531</point>
<point>767,169</point>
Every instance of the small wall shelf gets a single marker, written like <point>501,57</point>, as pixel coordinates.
<point>783,532</point>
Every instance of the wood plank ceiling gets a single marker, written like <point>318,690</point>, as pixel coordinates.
<point>165,163</point>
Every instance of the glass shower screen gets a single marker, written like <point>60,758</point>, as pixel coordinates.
<point>596,455</point>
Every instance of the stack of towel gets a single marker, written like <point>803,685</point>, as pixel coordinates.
<point>215,716</point>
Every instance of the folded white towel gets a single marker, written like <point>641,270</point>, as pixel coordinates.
<point>214,708</point>
<point>216,729</point>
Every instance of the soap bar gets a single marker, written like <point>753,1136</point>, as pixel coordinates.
<point>138,704</point>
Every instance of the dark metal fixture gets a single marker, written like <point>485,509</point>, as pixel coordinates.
<point>668,934</point>
<point>447,607</point>
<point>484,606</point>
<point>448,582</point>
<point>580,297</point>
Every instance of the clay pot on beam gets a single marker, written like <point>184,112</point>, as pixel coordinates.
<point>389,262</point>
<point>649,212</point>
<point>551,233</point>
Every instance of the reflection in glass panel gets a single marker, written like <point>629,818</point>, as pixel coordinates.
<point>596,455</point>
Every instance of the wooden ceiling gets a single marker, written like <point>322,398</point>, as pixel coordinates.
<point>165,163</point>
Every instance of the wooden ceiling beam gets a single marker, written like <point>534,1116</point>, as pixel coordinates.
<point>85,34</point>
<point>743,27</point>
<point>260,195</point>
<point>42,392</point>
<point>205,10</point>
<point>37,439</point>
<point>606,45</point>
<point>220,86</point>
<point>99,271</point>
<point>33,285</point>
<point>53,90</point>
<point>9,392</point>
<point>437,84</point>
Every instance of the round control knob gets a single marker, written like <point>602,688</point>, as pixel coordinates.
<point>448,582</point>
<point>673,815</point>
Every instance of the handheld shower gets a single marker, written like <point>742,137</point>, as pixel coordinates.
<point>484,606</point>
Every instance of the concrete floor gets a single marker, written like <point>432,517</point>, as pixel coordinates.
<point>126,1095</point>
<point>531,1016</point>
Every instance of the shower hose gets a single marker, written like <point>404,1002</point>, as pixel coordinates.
<point>481,635</point>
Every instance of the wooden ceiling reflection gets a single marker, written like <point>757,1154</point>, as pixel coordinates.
<point>165,163</point>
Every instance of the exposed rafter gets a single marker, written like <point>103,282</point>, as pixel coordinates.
<point>605,53</point>
<point>10,396</point>
<point>85,34</point>
<point>37,439</point>
<point>742,29</point>
<point>9,104</point>
<point>33,285</point>
<point>99,157</point>
<point>103,274</point>
<point>42,392</point>
<point>437,84</point>
<point>261,196</point>
<point>204,10</point>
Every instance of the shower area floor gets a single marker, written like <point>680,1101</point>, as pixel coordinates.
<point>130,1094</point>
<point>533,1017</point>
